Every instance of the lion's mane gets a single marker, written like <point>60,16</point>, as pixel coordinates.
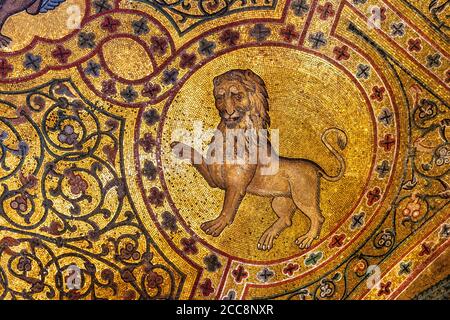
<point>259,99</point>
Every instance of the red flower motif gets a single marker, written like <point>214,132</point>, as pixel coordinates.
<point>289,34</point>
<point>19,203</point>
<point>61,54</point>
<point>5,68</point>
<point>414,45</point>
<point>239,274</point>
<point>189,246</point>
<point>154,280</point>
<point>229,37</point>
<point>341,53</point>
<point>151,90</point>
<point>156,197</point>
<point>206,287</point>
<point>377,93</point>
<point>109,87</point>
<point>158,45</point>
<point>290,268</point>
<point>388,142</point>
<point>147,142</point>
<point>77,183</point>
<point>373,196</point>
<point>326,11</point>
<point>385,288</point>
<point>187,60</point>
<point>110,24</point>
<point>412,210</point>
<point>426,249</point>
<point>337,240</point>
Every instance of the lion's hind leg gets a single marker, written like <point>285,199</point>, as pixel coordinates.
<point>284,208</point>
<point>306,196</point>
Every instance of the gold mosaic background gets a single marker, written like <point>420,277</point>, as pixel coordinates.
<point>92,91</point>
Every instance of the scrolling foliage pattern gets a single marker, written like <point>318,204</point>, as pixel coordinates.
<point>423,193</point>
<point>72,208</point>
<point>185,15</point>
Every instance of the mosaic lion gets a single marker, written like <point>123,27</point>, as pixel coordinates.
<point>242,102</point>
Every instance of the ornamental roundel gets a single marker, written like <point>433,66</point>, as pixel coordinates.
<point>214,149</point>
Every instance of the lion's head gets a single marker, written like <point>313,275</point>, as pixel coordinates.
<point>242,100</point>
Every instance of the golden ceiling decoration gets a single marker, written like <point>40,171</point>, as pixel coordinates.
<point>94,204</point>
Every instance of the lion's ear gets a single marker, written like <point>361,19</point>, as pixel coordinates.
<point>251,79</point>
<point>249,74</point>
<point>216,81</point>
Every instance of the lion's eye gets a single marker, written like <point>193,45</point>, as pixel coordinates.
<point>237,96</point>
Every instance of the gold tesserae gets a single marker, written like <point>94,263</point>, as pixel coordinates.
<point>216,149</point>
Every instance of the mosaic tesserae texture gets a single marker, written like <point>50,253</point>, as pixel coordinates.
<point>95,202</point>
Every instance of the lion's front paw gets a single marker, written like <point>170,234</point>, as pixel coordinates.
<point>267,239</point>
<point>305,241</point>
<point>215,227</point>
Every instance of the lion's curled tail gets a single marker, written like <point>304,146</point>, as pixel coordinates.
<point>341,140</point>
